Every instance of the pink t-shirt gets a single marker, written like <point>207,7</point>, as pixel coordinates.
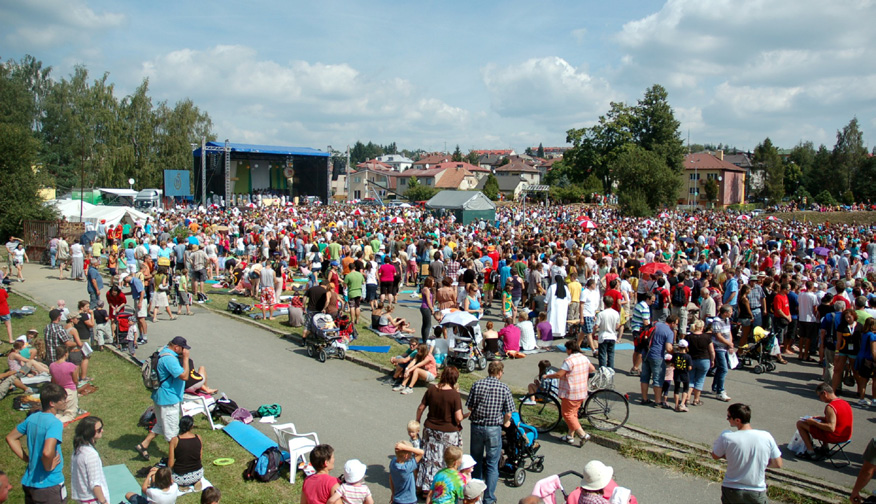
<point>62,374</point>
<point>318,488</point>
<point>387,273</point>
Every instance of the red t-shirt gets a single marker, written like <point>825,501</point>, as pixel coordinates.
<point>767,263</point>
<point>617,296</point>
<point>4,302</point>
<point>781,306</point>
<point>318,488</point>
<point>842,298</point>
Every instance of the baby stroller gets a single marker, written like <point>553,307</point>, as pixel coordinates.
<point>519,448</point>
<point>123,323</point>
<point>466,352</point>
<point>325,339</point>
<point>757,350</point>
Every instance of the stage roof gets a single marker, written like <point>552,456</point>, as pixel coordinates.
<point>265,149</point>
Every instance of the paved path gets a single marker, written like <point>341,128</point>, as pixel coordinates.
<point>351,410</point>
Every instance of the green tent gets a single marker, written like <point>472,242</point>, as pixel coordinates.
<point>467,206</point>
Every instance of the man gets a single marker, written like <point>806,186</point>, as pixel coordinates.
<point>807,306</point>
<point>660,304</point>
<point>868,468</point>
<point>748,452</point>
<point>138,296</point>
<point>12,379</point>
<point>267,293</point>
<point>782,318</point>
<point>827,338</point>
<point>653,364</point>
<point>608,329</point>
<point>680,297</point>
<point>587,308</point>
<point>55,335</point>
<point>731,290</point>
<point>436,268</point>
<point>173,370</point>
<point>43,480</point>
<point>490,405</point>
<point>95,282</point>
<point>354,281</point>
<point>722,340</point>
<point>317,302</point>
<point>198,260</point>
<point>63,256</point>
<point>834,427</point>
<point>640,321</point>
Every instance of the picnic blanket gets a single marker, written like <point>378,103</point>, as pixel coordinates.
<point>374,349</point>
<point>120,481</point>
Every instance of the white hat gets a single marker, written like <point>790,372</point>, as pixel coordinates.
<point>122,277</point>
<point>596,475</point>
<point>23,338</point>
<point>683,343</point>
<point>354,471</point>
<point>474,489</point>
<point>467,462</point>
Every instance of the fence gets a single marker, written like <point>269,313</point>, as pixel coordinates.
<point>37,234</point>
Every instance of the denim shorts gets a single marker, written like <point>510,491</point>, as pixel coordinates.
<point>652,371</point>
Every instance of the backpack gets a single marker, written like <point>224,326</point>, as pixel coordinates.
<point>238,308</point>
<point>265,467</point>
<point>644,337</point>
<point>147,419</point>
<point>149,372</point>
<point>274,410</point>
<point>658,298</point>
<point>225,407</point>
<point>678,296</point>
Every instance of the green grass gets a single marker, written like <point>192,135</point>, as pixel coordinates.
<point>119,401</point>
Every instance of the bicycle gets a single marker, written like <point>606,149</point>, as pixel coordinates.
<point>605,409</point>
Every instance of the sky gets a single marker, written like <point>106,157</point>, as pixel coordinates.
<point>481,75</point>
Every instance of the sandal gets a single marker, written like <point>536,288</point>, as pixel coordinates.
<point>635,372</point>
<point>142,451</point>
<point>697,403</point>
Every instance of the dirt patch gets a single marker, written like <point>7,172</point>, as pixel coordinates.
<point>867,218</point>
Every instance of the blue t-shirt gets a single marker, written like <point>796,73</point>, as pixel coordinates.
<point>731,286</point>
<point>794,305</point>
<point>662,334</point>
<point>402,474</point>
<point>39,427</point>
<point>172,387</point>
<point>94,274</point>
<point>136,289</point>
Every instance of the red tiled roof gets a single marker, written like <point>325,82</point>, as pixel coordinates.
<point>517,165</point>
<point>706,161</point>
<point>495,152</point>
<point>432,159</point>
<point>374,164</point>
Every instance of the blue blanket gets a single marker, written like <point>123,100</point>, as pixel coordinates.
<point>375,349</point>
<point>120,481</point>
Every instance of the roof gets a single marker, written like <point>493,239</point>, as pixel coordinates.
<point>448,175</point>
<point>517,165</point>
<point>466,200</point>
<point>432,159</point>
<point>740,160</point>
<point>506,184</point>
<point>374,164</point>
<point>129,193</point>
<point>266,149</point>
<point>706,161</point>
<point>497,152</point>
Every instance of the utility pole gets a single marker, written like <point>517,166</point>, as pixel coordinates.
<point>204,171</point>
<point>82,182</point>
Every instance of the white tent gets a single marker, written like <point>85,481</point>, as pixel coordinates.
<point>95,213</point>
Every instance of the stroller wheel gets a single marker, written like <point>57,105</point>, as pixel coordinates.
<point>470,365</point>
<point>758,369</point>
<point>537,466</point>
<point>310,351</point>
<point>519,477</point>
<point>771,366</point>
<point>321,356</point>
<point>482,362</point>
<point>342,354</point>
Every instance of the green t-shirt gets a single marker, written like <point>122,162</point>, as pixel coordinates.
<point>129,240</point>
<point>354,282</point>
<point>375,245</point>
<point>335,251</point>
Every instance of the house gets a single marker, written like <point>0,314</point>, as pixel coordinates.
<point>510,187</point>
<point>520,170</point>
<point>704,166</point>
<point>447,175</point>
<point>430,160</point>
<point>496,152</point>
<point>398,162</point>
<point>489,161</point>
<point>371,178</point>
<point>754,176</point>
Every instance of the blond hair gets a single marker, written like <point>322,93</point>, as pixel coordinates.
<point>414,425</point>
<point>452,456</point>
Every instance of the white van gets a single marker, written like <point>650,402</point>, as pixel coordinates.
<point>148,198</point>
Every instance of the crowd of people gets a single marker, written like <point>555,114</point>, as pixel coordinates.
<point>690,290</point>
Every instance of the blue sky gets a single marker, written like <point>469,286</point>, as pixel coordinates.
<point>479,74</point>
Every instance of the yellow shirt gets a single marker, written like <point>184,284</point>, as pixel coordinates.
<point>575,290</point>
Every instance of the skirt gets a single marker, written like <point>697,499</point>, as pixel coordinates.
<point>434,443</point>
<point>159,300</point>
<point>76,270</point>
<point>188,479</point>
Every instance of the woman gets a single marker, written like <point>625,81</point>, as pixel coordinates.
<point>16,360</point>
<point>185,452</point>
<point>87,481</point>
<point>446,296</point>
<point>558,306</point>
<point>19,257</point>
<point>746,316</point>
<point>492,346</point>
<point>387,324</point>
<point>77,257</point>
<point>162,288</point>
<point>442,427</point>
<point>427,307</point>
<point>864,365</point>
<point>424,368</point>
<point>573,377</point>
<point>702,352</point>
<point>471,304</point>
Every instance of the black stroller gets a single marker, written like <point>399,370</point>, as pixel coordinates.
<point>519,451</point>
<point>757,350</point>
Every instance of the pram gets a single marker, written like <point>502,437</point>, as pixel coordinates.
<point>325,339</point>
<point>123,323</point>
<point>519,448</point>
<point>758,350</point>
<point>465,352</point>
<point>346,328</point>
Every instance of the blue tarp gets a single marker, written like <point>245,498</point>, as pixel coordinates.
<point>266,149</point>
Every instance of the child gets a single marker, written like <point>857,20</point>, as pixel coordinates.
<point>466,467</point>
<point>448,480</point>
<point>65,312</point>
<point>414,433</point>
<point>682,363</point>
<point>102,330</point>
<point>352,491</point>
<point>667,380</point>
<point>184,298</point>
<point>132,337</point>
<point>157,487</point>
<point>474,490</point>
<point>211,495</point>
<point>551,385</point>
<point>401,473</point>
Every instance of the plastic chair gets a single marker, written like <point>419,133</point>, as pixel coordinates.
<point>197,404</point>
<point>299,445</point>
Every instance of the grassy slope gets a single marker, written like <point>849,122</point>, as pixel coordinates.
<point>119,401</point>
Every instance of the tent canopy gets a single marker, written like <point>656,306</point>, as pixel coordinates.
<point>265,149</point>
<point>113,215</point>
<point>461,200</point>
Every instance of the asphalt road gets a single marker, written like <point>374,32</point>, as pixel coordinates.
<point>349,408</point>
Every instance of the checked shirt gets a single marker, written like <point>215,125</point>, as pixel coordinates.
<point>489,400</point>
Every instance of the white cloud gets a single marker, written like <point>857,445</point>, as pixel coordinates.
<point>43,24</point>
<point>546,90</point>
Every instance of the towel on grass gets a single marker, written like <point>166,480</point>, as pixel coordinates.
<point>374,349</point>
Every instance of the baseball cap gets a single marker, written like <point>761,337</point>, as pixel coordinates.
<point>179,340</point>
<point>683,343</point>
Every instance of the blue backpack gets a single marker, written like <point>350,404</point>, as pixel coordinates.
<point>265,467</point>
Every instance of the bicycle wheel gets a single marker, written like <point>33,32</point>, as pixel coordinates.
<point>544,414</point>
<point>606,410</point>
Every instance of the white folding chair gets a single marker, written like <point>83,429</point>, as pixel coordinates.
<point>299,445</point>
<point>197,404</point>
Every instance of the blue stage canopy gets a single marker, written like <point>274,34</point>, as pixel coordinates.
<point>266,149</point>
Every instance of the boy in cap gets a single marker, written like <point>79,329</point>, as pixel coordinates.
<point>473,491</point>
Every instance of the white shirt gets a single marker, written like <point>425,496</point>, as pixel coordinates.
<point>807,303</point>
<point>589,302</point>
<point>86,472</point>
<point>606,325</point>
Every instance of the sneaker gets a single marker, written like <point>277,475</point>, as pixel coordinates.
<point>724,397</point>
<point>398,387</point>
<point>407,390</point>
<point>529,402</point>
<point>864,403</point>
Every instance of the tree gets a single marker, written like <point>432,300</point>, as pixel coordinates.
<point>819,177</point>
<point>491,187</point>
<point>644,181</point>
<point>528,151</point>
<point>710,188</point>
<point>766,157</point>
<point>595,149</point>
<point>655,128</point>
<point>825,198</point>
<point>419,192</point>
<point>21,183</point>
<point>540,152</point>
<point>473,158</point>
<point>457,154</point>
<point>865,189</point>
<point>849,154</point>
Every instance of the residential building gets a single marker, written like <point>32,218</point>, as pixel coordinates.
<point>370,178</point>
<point>520,169</point>
<point>704,166</point>
<point>509,187</point>
<point>430,160</point>
<point>447,175</point>
<point>398,162</point>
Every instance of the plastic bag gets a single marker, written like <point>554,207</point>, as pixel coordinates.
<point>732,359</point>
<point>796,445</point>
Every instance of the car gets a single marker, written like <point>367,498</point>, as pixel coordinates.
<point>757,211</point>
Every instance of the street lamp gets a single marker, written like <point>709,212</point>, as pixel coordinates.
<point>523,190</point>
<point>131,183</point>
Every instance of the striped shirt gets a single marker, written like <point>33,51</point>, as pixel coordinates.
<point>641,316</point>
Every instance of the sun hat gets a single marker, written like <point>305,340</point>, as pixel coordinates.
<point>596,475</point>
<point>474,489</point>
<point>467,462</point>
<point>354,471</point>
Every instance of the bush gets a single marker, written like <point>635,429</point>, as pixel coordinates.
<point>825,198</point>
<point>634,204</point>
<point>848,197</point>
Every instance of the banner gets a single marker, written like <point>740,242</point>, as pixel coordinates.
<point>176,183</point>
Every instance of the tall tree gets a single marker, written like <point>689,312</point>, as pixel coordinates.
<point>473,158</point>
<point>645,183</point>
<point>595,149</point>
<point>491,187</point>
<point>457,154</point>
<point>655,128</point>
<point>766,157</point>
<point>540,152</point>
<point>849,153</point>
<point>21,180</point>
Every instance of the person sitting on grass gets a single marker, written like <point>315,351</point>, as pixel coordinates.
<point>66,374</point>
<point>424,368</point>
<point>211,495</point>
<point>157,487</point>
<point>387,324</point>
<point>18,361</point>
<point>11,380</point>
<point>184,455</point>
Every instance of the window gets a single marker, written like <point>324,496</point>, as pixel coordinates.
<point>357,194</point>
<point>403,181</point>
<point>693,190</point>
<point>357,180</point>
<point>713,176</point>
<point>694,176</point>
